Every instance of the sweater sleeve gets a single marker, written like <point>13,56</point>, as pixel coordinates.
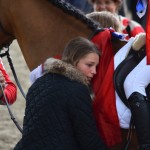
<point>10,88</point>
<point>84,125</point>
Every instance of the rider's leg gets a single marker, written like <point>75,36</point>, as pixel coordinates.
<point>138,79</point>
<point>134,86</point>
<point>124,113</point>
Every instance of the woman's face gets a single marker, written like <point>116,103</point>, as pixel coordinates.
<point>105,5</point>
<point>87,65</point>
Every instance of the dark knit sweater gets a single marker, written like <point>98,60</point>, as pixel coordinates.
<point>59,116</point>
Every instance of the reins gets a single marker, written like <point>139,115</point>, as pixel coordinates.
<point>6,53</point>
<point>9,110</point>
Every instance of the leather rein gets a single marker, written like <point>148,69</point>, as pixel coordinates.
<point>6,53</point>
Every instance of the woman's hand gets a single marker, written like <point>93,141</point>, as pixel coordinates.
<point>2,82</point>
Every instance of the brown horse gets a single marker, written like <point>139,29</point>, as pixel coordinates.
<point>43,27</point>
<point>39,27</point>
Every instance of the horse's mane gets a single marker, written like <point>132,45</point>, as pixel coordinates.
<point>78,14</point>
<point>50,22</point>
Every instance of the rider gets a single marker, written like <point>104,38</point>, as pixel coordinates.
<point>135,89</point>
<point>134,83</point>
<point>105,98</point>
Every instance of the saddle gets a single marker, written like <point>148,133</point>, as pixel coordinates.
<point>124,68</point>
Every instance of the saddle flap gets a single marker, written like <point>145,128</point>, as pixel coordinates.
<point>123,69</point>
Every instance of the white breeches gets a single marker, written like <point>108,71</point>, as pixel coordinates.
<point>138,79</point>
<point>124,113</point>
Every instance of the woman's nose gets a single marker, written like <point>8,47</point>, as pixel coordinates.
<point>93,70</point>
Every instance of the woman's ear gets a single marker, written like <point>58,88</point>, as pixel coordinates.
<point>139,41</point>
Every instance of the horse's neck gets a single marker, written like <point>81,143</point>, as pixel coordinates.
<point>41,29</point>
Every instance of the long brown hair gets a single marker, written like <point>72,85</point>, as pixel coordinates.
<point>77,48</point>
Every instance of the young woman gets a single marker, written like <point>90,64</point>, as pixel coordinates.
<point>59,112</point>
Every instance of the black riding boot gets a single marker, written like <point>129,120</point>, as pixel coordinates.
<point>140,109</point>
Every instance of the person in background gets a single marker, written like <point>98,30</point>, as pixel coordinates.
<point>128,26</point>
<point>7,86</point>
<point>59,112</point>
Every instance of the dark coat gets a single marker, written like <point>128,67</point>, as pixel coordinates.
<point>58,113</point>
